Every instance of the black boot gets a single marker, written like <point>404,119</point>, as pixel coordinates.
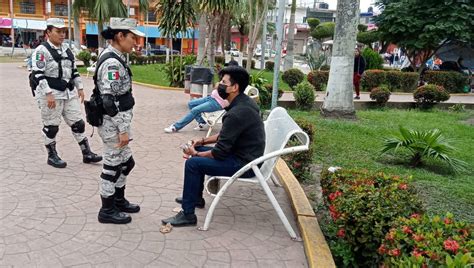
<point>87,155</point>
<point>110,214</point>
<point>181,219</point>
<point>53,158</point>
<point>122,203</point>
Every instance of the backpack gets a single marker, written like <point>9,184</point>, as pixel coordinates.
<point>94,107</point>
<point>58,82</point>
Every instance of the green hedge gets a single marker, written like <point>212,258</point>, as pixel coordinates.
<point>372,79</point>
<point>453,82</point>
<point>401,81</point>
<point>319,79</point>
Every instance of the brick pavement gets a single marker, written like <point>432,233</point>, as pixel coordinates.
<point>48,216</point>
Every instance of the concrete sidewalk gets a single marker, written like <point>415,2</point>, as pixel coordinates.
<point>48,216</point>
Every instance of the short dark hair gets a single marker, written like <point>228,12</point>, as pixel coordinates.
<point>110,33</point>
<point>237,75</point>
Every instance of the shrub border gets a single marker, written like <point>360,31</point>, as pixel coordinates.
<point>316,248</point>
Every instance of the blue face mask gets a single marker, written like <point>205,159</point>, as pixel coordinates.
<point>221,90</point>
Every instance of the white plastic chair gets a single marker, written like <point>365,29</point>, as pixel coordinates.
<point>214,118</point>
<point>279,128</point>
<point>91,69</point>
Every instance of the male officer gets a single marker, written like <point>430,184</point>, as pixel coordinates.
<point>58,88</point>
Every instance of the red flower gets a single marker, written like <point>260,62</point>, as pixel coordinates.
<point>417,253</point>
<point>418,238</point>
<point>334,195</point>
<point>296,164</point>
<point>447,221</point>
<point>451,245</point>
<point>394,252</point>
<point>390,236</point>
<point>382,249</point>
<point>403,186</point>
<point>415,216</point>
<point>407,230</point>
<point>341,232</point>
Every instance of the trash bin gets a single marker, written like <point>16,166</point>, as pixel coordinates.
<point>187,78</point>
<point>201,78</point>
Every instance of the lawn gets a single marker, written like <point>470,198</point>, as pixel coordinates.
<point>153,74</point>
<point>355,144</point>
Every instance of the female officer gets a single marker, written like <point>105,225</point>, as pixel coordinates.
<point>113,80</point>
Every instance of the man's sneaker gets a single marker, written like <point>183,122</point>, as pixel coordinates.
<point>171,129</point>
<point>202,127</point>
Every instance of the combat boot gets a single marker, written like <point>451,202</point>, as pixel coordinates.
<point>53,158</point>
<point>87,155</point>
<point>122,203</point>
<point>110,214</point>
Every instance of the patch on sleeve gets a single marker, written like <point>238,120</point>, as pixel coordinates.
<point>40,64</point>
<point>112,67</point>
<point>115,86</point>
<point>40,57</point>
<point>114,75</point>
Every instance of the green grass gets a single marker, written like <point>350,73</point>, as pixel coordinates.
<point>153,74</point>
<point>355,144</point>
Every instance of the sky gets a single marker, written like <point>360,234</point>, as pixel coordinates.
<point>364,4</point>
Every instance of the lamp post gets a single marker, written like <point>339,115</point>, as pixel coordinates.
<point>276,71</point>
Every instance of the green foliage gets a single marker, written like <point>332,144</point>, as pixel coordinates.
<point>458,107</point>
<point>315,62</point>
<point>372,59</point>
<point>174,16</point>
<point>401,81</point>
<point>453,82</point>
<point>269,66</point>
<point>428,95</point>
<point>380,94</point>
<point>265,95</point>
<point>300,162</point>
<point>362,27</point>
<point>174,70</point>
<point>325,68</point>
<point>244,63</point>
<point>313,22</point>
<point>94,58</point>
<point>318,79</point>
<point>258,80</point>
<point>304,95</point>
<point>85,56</point>
<point>363,206</point>
<point>293,77</point>
<point>372,78</point>
<point>422,241</point>
<point>369,37</point>
<point>428,144</point>
<point>220,60</point>
<point>324,30</point>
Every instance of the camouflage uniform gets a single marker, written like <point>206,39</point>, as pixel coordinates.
<point>113,78</point>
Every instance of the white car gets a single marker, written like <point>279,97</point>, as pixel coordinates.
<point>234,52</point>
<point>258,53</point>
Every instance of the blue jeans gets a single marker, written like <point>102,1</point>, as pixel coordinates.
<point>202,105</point>
<point>197,167</point>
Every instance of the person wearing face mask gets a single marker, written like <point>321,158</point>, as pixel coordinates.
<point>113,79</point>
<point>198,106</point>
<point>57,86</point>
<point>240,141</point>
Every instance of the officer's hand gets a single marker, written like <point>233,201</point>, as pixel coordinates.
<point>123,140</point>
<point>81,94</point>
<point>51,101</point>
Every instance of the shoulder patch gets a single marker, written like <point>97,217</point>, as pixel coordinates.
<point>40,56</point>
<point>115,86</point>
<point>112,67</point>
<point>113,75</point>
<point>40,64</point>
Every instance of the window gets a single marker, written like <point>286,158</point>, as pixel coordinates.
<point>151,16</point>
<point>27,7</point>
<point>60,10</point>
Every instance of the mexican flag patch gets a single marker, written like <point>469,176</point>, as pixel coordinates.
<point>40,57</point>
<point>113,75</point>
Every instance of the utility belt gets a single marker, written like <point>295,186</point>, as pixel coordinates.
<point>126,101</point>
<point>60,84</point>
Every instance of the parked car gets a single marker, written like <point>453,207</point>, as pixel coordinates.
<point>234,52</point>
<point>161,51</point>
<point>258,53</point>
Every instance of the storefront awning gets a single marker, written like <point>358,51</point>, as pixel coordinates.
<point>150,31</point>
<point>29,24</point>
<point>5,23</point>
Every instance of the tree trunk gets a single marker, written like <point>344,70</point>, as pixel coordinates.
<point>77,32</point>
<point>291,39</point>
<point>202,39</point>
<point>212,41</point>
<point>338,101</point>
<point>228,35</point>
<point>254,30</point>
<point>101,40</point>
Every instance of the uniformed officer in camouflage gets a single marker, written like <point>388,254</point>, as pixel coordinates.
<point>115,86</point>
<point>58,91</point>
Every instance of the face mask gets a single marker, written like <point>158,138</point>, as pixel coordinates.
<point>221,90</point>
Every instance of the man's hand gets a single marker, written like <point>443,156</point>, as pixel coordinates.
<point>190,151</point>
<point>81,94</point>
<point>51,101</point>
<point>123,140</point>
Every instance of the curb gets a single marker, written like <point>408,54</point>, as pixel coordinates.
<point>316,248</point>
<point>159,87</point>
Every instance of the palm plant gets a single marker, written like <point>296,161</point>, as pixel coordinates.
<point>103,10</point>
<point>430,144</point>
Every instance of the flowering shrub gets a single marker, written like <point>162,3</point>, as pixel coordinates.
<point>300,163</point>
<point>380,95</point>
<point>428,242</point>
<point>318,79</point>
<point>428,95</point>
<point>363,206</point>
<point>372,78</point>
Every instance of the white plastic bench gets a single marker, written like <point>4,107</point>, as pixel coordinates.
<point>279,128</point>
<point>214,118</point>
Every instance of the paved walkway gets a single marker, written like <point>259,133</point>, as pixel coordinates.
<point>48,216</point>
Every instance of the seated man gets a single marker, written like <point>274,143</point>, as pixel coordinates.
<point>207,104</point>
<point>240,141</point>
